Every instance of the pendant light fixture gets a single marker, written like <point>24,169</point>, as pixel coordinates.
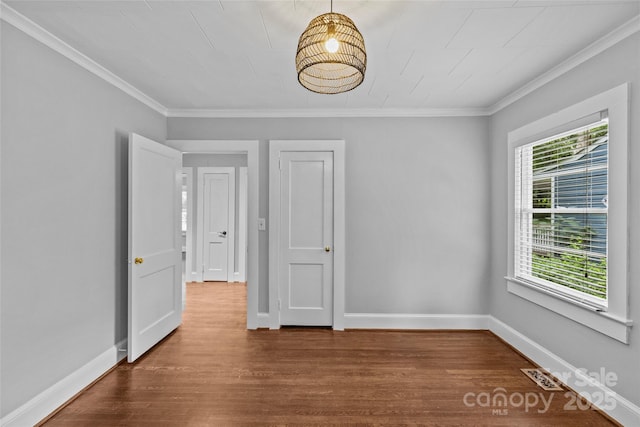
<point>331,57</point>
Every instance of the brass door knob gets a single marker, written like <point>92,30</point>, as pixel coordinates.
<point>327,248</point>
<point>138,260</point>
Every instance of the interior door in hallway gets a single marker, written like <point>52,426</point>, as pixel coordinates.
<point>155,244</point>
<point>218,222</point>
<point>306,238</point>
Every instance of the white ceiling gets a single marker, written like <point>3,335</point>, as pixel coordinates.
<point>227,55</point>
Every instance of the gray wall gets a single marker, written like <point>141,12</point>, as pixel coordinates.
<point>196,161</point>
<point>417,206</point>
<point>577,344</point>
<point>64,215</point>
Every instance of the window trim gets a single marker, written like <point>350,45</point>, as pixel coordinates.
<point>614,322</point>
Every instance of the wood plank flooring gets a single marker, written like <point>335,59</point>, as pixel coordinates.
<point>213,372</point>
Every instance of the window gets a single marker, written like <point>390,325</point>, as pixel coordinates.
<point>561,213</point>
<point>184,209</point>
<point>185,202</point>
<point>567,220</point>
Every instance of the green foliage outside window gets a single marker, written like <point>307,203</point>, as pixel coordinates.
<point>572,268</point>
<point>557,150</point>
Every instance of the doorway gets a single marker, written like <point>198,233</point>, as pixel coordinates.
<point>214,197</point>
<point>219,216</point>
<point>250,150</point>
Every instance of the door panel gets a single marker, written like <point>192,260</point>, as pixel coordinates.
<point>155,245</point>
<point>306,214</point>
<point>306,196</point>
<point>217,260</point>
<point>218,223</point>
<point>160,301</point>
<point>306,285</point>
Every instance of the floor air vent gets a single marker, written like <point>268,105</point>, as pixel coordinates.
<point>542,379</point>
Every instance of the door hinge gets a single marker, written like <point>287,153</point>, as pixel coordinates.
<point>279,305</point>
<point>279,163</point>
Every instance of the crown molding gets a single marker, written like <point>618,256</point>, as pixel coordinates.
<point>327,113</point>
<point>625,30</point>
<point>27,26</point>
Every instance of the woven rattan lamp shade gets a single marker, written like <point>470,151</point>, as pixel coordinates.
<point>322,71</point>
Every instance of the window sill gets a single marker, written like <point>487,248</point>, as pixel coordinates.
<point>603,322</point>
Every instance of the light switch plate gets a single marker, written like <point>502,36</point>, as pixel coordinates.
<point>262,224</point>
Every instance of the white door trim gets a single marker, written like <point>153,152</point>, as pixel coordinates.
<point>231,231</point>
<point>189,274</point>
<point>339,241</point>
<point>241,275</point>
<point>251,149</point>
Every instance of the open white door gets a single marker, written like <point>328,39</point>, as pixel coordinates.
<point>155,258</point>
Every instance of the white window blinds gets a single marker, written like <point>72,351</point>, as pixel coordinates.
<point>561,206</point>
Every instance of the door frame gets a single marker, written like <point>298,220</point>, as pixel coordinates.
<point>242,226</point>
<point>231,232</point>
<point>189,275</point>
<point>339,224</point>
<point>251,149</point>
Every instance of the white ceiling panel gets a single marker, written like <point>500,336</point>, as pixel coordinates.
<point>427,27</point>
<point>575,3</point>
<point>398,86</point>
<point>240,54</point>
<point>446,94</point>
<point>556,25</point>
<point>388,62</point>
<point>239,27</point>
<point>537,60</point>
<point>479,4</point>
<point>475,90</point>
<point>486,61</point>
<point>493,27</point>
<point>435,64</point>
<point>281,21</point>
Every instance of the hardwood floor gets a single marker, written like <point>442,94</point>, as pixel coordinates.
<point>213,372</point>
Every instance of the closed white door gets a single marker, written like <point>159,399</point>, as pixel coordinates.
<point>155,244</point>
<point>306,238</point>
<point>218,212</point>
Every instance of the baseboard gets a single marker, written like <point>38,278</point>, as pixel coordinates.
<point>415,321</point>
<point>263,320</point>
<point>237,277</point>
<point>36,409</point>
<point>601,396</point>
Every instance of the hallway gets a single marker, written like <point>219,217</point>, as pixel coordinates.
<point>213,372</point>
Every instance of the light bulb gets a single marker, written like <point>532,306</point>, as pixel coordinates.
<point>332,45</point>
